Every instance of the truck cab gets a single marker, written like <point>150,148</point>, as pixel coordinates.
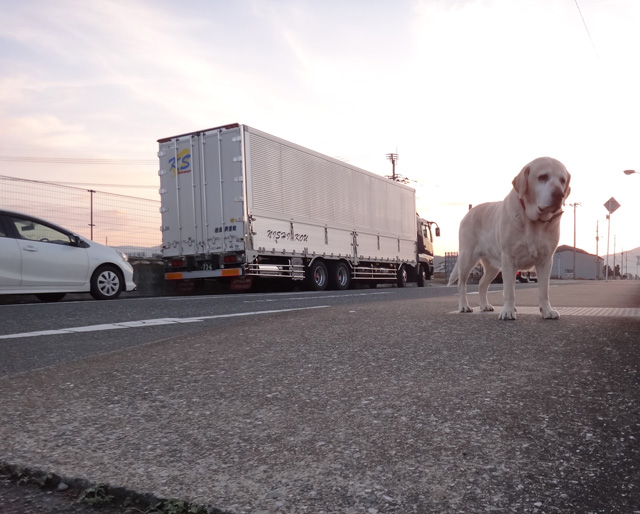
<point>424,245</point>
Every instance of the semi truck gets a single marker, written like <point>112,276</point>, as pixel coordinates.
<point>238,203</point>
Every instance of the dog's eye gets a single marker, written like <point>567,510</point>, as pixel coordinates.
<point>543,178</point>
<point>563,181</point>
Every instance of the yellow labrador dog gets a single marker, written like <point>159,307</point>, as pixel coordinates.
<point>519,233</point>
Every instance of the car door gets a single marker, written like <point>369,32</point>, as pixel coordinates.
<point>51,259</point>
<point>11,261</point>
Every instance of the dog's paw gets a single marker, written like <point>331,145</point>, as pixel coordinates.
<point>465,308</point>
<point>487,308</point>
<point>508,314</point>
<point>549,314</point>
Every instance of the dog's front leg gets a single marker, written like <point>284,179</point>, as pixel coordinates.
<point>544,275</point>
<point>508,290</point>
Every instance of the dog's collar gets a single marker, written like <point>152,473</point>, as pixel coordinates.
<point>556,215</point>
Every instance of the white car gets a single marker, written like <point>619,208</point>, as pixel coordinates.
<point>38,257</point>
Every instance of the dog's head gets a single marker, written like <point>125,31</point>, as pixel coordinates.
<point>542,186</point>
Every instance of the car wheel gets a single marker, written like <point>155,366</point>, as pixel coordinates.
<point>106,283</point>
<point>50,297</point>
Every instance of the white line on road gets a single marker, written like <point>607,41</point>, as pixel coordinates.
<point>148,323</point>
<point>320,297</point>
<point>275,297</point>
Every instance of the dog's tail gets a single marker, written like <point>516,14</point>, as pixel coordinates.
<point>454,275</point>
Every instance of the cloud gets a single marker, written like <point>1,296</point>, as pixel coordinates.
<point>44,132</point>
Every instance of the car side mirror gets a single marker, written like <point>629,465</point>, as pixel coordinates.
<point>437,231</point>
<point>78,242</point>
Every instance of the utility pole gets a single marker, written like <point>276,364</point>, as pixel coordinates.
<point>597,254</point>
<point>393,157</point>
<point>574,205</point>
<point>91,224</point>
<point>614,256</point>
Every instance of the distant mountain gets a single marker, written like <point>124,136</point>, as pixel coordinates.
<point>140,251</point>
<point>628,260</point>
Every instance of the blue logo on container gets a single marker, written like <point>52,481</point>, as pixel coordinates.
<point>184,162</point>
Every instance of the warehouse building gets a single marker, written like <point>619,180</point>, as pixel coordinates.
<point>587,266</point>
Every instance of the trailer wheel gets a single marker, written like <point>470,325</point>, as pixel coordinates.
<point>422,275</point>
<point>318,276</point>
<point>340,276</point>
<point>402,276</point>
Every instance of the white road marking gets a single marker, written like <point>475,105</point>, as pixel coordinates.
<point>148,323</point>
<point>497,289</point>
<point>278,296</point>
<point>621,312</point>
<point>320,297</point>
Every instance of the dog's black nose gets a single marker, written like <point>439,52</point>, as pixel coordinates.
<point>557,196</point>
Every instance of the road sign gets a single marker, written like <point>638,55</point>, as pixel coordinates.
<point>612,205</point>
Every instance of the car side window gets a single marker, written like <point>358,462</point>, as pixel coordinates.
<point>34,231</point>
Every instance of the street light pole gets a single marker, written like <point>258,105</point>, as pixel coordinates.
<point>574,205</point>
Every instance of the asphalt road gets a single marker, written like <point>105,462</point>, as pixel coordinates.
<point>364,401</point>
<point>75,329</point>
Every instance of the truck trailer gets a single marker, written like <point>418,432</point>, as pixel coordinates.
<point>238,203</point>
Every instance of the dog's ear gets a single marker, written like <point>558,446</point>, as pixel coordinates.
<point>521,181</point>
<point>567,189</point>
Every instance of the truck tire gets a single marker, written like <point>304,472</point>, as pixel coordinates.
<point>340,276</point>
<point>317,276</point>
<point>422,275</point>
<point>402,276</point>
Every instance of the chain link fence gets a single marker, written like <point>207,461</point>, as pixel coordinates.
<point>131,224</point>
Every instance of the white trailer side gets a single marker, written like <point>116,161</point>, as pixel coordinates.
<point>305,203</point>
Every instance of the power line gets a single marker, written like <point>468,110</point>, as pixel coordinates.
<point>587,29</point>
<point>91,184</point>
<point>85,184</point>
<point>79,160</point>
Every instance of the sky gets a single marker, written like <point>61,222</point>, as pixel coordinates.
<point>465,92</point>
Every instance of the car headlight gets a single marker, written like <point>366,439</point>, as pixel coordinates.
<point>124,256</point>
